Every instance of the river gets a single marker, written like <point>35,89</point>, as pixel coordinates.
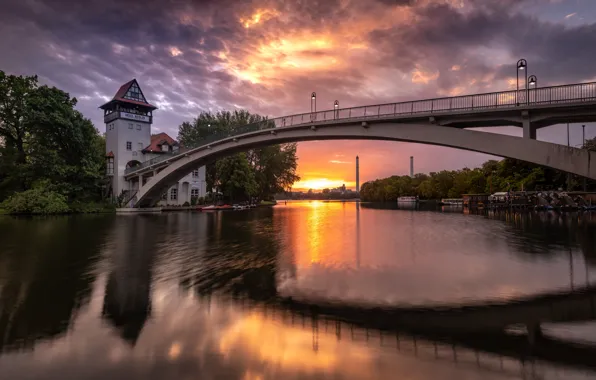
<point>197,295</point>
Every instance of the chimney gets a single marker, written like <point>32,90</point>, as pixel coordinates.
<point>411,166</point>
<point>357,174</point>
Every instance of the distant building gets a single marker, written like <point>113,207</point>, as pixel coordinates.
<point>129,142</point>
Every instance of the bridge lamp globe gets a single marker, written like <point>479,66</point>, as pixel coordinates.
<point>533,81</point>
<point>522,65</point>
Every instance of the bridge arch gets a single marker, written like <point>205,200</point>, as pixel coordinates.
<point>568,159</point>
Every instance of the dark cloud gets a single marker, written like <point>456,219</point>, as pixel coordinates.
<point>191,56</point>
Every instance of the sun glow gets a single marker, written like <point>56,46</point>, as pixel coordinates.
<point>321,183</point>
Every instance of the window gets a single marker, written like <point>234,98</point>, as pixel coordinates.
<point>129,125</point>
<point>138,127</point>
<point>128,145</point>
<point>164,196</point>
<point>140,145</point>
<point>194,192</point>
<point>110,168</point>
<point>195,173</point>
<point>173,194</point>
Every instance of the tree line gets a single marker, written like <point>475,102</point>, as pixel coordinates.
<point>505,175</point>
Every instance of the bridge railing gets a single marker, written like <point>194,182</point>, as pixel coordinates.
<point>571,93</point>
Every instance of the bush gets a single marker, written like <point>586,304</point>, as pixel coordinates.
<point>201,200</point>
<point>193,201</point>
<point>36,201</point>
<point>186,204</point>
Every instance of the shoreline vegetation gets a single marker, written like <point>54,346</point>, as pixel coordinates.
<point>493,176</point>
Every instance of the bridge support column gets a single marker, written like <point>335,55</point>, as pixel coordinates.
<point>529,129</point>
<point>534,332</point>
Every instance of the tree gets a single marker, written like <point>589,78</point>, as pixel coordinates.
<point>43,139</point>
<point>236,178</point>
<point>273,168</point>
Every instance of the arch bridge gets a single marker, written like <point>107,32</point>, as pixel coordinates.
<point>441,121</point>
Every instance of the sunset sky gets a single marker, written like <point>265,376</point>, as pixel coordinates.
<point>268,56</point>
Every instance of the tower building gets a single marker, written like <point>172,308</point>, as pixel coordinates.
<point>129,142</point>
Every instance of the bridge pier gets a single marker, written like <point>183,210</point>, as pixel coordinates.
<point>534,332</point>
<point>529,129</point>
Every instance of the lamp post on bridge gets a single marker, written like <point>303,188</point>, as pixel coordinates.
<point>533,82</point>
<point>313,105</point>
<point>584,147</point>
<point>336,109</point>
<point>522,65</point>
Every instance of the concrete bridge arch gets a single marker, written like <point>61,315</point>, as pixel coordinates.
<point>568,159</point>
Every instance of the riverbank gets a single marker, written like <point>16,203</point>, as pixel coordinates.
<point>71,209</point>
<point>202,208</point>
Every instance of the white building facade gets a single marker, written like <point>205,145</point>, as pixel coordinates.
<point>129,142</point>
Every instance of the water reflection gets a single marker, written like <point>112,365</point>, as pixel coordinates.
<point>127,300</point>
<point>45,278</point>
<point>198,294</point>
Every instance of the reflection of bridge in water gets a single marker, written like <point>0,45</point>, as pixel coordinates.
<point>500,352</point>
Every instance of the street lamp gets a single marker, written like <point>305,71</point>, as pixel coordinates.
<point>336,109</point>
<point>583,147</point>
<point>533,82</point>
<point>313,102</point>
<point>522,65</point>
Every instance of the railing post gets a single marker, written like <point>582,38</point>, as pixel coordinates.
<point>394,108</point>
<point>450,100</point>
<point>412,108</point>
<point>432,106</point>
<point>496,99</point>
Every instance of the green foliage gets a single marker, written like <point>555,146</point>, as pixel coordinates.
<point>235,177</point>
<point>260,172</point>
<point>44,139</point>
<point>36,201</point>
<point>493,176</point>
<point>186,204</point>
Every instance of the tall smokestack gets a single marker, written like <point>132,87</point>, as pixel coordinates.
<point>411,166</point>
<point>357,174</point>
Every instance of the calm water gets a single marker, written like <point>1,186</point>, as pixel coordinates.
<point>196,295</point>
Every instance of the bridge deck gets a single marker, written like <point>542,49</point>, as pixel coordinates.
<point>576,102</point>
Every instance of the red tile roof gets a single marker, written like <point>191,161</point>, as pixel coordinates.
<point>159,139</point>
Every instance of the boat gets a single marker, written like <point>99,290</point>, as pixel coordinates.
<point>408,199</point>
<point>452,201</point>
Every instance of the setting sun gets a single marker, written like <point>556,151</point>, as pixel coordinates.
<point>321,183</point>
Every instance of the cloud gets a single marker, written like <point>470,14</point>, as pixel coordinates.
<point>339,162</point>
<point>268,56</point>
